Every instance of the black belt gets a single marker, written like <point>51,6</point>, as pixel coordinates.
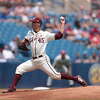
<point>37,57</point>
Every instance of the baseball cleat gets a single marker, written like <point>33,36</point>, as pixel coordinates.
<point>9,90</point>
<point>81,81</point>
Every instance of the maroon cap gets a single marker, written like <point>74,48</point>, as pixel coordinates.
<point>36,19</point>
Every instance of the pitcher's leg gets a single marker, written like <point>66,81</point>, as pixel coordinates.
<point>77,78</point>
<point>20,70</point>
<point>27,66</point>
<point>49,69</point>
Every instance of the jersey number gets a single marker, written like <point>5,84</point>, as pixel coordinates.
<point>41,40</point>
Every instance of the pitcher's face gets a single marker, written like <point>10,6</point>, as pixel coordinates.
<point>36,26</point>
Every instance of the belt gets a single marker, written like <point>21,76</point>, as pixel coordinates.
<point>37,57</point>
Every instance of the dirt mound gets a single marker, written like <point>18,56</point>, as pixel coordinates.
<point>76,93</point>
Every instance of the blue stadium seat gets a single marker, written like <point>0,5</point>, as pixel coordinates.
<point>11,29</point>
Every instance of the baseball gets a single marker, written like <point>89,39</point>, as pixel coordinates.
<point>62,19</point>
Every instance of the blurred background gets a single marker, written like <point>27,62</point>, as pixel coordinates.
<point>81,38</point>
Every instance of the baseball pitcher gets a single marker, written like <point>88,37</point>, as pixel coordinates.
<point>38,40</point>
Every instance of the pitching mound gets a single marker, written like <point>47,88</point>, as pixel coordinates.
<point>76,93</point>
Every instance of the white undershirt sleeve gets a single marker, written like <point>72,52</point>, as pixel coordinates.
<point>50,36</point>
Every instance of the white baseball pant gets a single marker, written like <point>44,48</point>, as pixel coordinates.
<point>42,63</point>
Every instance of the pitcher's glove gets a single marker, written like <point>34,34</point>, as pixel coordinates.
<point>22,46</point>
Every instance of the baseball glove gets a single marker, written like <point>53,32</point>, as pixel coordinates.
<point>23,47</point>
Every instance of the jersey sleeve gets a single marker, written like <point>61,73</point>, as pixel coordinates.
<point>50,36</point>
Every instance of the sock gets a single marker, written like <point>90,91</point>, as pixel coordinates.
<point>68,77</point>
<point>16,79</point>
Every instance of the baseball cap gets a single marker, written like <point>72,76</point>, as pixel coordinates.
<point>35,20</point>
